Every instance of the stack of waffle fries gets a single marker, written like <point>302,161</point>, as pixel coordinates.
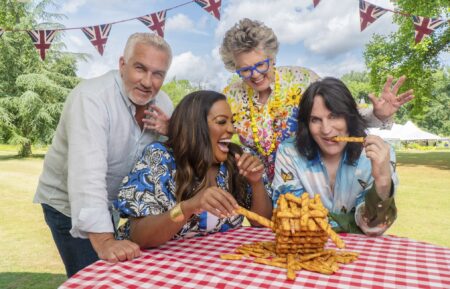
<point>301,232</point>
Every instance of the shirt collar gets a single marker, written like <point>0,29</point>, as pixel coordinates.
<point>318,159</point>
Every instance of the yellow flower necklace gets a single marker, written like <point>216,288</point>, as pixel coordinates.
<point>273,105</point>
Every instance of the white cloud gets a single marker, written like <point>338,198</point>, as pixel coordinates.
<point>328,29</point>
<point>181,22</point>
<point>205,70</point>
<point>72,6</point>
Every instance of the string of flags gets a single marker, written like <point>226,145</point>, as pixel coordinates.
<point>98,35</point>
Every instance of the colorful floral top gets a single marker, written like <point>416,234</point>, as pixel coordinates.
<point>149,189</point>
<point>353,204</point>
<point>274,121</point>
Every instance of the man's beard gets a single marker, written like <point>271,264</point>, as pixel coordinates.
<point>136,101</point>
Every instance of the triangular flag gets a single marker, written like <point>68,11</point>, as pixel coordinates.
<point>98,35</point>
<point>425,26</point>
<point>42,39</point>
<point>211,6</point>
<point>368,13</point>
<point>1,32</point>
<point>155,21</point>
<point>316,2</point>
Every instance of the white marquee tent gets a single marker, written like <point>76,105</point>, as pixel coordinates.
<point>407,132</point>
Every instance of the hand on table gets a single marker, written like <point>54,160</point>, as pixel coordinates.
<point>156,120</point>
<point>250,167</point>
<point>112,250</point>
<point>389,103</point>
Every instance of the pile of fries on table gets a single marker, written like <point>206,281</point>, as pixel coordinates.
<point>301,232</point>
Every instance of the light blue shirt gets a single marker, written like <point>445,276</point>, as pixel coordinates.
<point>96,144</point>
<point>296,174</point>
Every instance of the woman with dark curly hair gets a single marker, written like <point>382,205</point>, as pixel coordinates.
<point>191,184</point>
<point>356,181</point>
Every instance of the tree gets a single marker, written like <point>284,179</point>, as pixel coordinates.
<point>437,118</point>
<point>32,92</point>
<point>397,55</point>
<point>359,85</point>
<point>177,89</point>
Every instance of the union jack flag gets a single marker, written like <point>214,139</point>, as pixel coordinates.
<point>425,26</point>
<point>155,21</point>
<point>42,39</point>
<point>316,2</point>
<point>98,35</point>
<point>211,6</point>
<point>368,13</point>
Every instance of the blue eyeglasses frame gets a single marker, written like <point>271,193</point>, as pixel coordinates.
<point>253,68</point>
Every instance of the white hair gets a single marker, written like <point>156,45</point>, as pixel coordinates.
<point>146,38</point>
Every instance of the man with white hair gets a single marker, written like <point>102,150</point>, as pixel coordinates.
<point>102,131</point>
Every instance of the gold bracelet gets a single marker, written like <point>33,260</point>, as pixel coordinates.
<point>176,214</point>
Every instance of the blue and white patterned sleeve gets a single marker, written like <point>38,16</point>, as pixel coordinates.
<point>148,189</point>
<point>286,179</point>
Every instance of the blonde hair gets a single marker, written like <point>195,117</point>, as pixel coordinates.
<point>146,38</point>
<point>245,36</point>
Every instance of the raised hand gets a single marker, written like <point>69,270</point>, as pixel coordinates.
<point>389,102</point>
<point>250,167</point>
<point>379,154</point>
<point>156,120</point>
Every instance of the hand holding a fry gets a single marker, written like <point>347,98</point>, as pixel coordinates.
<point>250,167</point>
<point>214,200</point>
<point>378,153</point>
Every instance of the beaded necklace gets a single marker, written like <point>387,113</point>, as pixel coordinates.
<point>273,104</point>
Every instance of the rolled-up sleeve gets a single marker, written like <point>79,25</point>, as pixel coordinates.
<point>87,134</point>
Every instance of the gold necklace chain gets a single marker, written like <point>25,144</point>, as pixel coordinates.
<point>273,104</point>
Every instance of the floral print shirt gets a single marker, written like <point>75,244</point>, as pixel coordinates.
<point>291,83</point>
<point>353,204</point>
<point>149,189</point>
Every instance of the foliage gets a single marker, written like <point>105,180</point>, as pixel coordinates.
<point>435,116</point>
<point>359,85</point>
<point>177,89</point>
<point>32,92</point>
<point>398,55</point>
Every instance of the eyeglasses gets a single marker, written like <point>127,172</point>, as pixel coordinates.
<point>247,72</point>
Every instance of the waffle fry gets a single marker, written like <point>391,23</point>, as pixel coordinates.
<point>301,232</point>
<point>348,139</point>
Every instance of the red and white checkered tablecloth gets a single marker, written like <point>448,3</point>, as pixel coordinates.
<point>384,262</point>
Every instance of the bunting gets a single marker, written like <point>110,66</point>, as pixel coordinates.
<point>368,13</point>
<point>98,35</point>
<point>425,26</point>
<point>42,39</point>
<point>155,21</point>
<point>211,6</point>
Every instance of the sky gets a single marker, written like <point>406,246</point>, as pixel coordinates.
<point>326,39</point>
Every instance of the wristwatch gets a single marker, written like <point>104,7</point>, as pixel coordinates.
<point>176,214</point>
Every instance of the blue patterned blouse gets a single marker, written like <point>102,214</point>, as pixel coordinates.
<point>149,189</point>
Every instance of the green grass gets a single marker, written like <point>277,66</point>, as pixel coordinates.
<point>29,258</point>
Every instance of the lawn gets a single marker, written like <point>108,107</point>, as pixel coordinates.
<point>30,260</point>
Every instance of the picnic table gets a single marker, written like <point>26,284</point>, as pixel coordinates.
<point>384,262</point>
